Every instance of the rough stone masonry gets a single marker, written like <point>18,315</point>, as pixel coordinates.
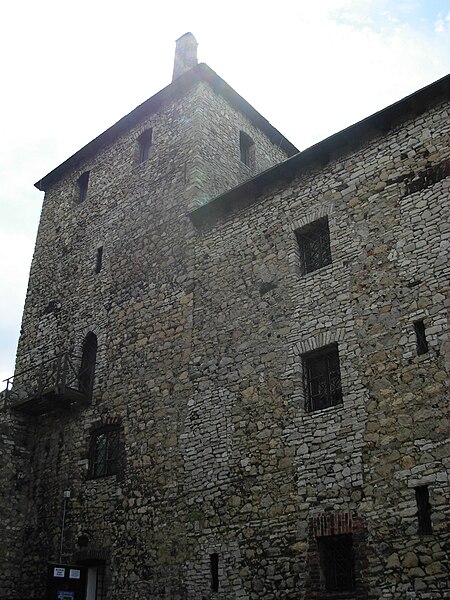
<point>245,389</point>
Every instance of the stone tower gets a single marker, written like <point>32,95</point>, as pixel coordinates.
<point>111,285</point>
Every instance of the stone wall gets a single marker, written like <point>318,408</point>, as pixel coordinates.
<point>14,475</point>
<point>255,315</point>
<point>201,341</point>
<point>140,308</point>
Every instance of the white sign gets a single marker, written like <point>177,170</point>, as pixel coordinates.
<point>59,572</point>
<point>74,574</point>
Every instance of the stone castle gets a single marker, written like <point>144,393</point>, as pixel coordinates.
<point>230,380</point>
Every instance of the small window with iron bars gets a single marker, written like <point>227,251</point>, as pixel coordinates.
<point>337,562</point>
<point>104,452</point>
<point>322,378</point>
<point>314,245</point>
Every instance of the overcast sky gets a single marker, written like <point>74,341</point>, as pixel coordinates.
<point>72,69</point>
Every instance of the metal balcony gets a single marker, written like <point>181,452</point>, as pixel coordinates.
<point>53,384</point>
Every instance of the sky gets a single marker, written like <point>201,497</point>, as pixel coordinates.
<point>72,69</point>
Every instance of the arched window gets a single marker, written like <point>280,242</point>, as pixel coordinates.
<point>87,367</point>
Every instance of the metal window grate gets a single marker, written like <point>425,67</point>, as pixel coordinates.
<point>314,244</point>
<point>99,584</point>
<point>104,452</point>
<point>322,378</point>
<point>337,562</point>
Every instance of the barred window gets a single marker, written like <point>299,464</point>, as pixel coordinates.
<point>322,377</point>
<point>314,245</point>
<point>104,452</point>
<point>337,562</point>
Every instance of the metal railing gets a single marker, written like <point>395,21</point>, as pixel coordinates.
<point>55,376</point>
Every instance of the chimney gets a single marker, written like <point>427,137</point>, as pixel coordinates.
<point>185,55</point>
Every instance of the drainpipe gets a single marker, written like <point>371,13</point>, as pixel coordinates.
<point>66,498</point>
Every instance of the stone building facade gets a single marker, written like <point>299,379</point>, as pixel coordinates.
<point>230,381</point>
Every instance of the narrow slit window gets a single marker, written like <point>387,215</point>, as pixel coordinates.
<point>421,338</point>
<point>99,259</point>
<point>145,144</point>
<point>214,562</point>
<point>423,510</point>
<point>83,183</point>
<point>247,149</point>
<point>87,367</point>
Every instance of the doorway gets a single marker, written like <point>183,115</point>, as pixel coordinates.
<point>95,580</point>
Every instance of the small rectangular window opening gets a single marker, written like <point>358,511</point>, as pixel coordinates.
<point>214,562</point>
<point>423,510</point>
<point>314,245</point>
<point>83,182</point>
<point>246,146</point>
<point>98,262</point>
<point>421,338</point>
<point>337,562</point>
<point>145,144</point>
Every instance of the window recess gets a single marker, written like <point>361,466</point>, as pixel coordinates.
<point>314,245</point>
<point>322,378</point>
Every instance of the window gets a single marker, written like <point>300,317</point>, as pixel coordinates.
<point>145,144</point>
<point>423,510</point>
<point>337,562</point>
<point>421,338</point>
<point>98,262</point>
<point>432,174</point>
<point>104,452</point>
<point>322,378</point>
<point>87,367</point>
<point>83,183</point>
<point>314,244</point>
<point>214,562</point>
<point>247,149</point>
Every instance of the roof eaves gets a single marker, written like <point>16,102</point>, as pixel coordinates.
<point>150,106</point>
<point>247,193</point>
<point>200,72</point>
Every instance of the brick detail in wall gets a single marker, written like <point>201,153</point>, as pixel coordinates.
<point>336,523</point>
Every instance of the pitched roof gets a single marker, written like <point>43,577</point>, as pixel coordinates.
<point>247,193</point>
<point>177,88</point>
